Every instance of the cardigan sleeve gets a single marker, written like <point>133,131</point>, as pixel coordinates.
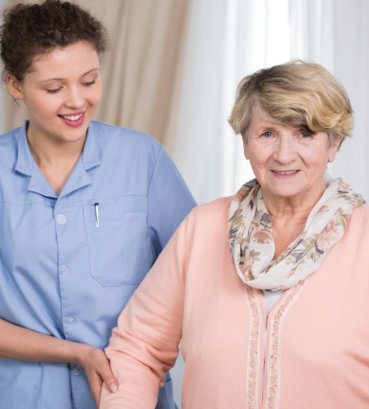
<point>144,345</point>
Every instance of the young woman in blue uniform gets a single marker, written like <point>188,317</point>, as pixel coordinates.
<point>85,209</point>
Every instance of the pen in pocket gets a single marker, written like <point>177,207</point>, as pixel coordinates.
<point>97,214</point>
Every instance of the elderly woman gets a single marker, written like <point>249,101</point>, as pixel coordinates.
<point>267,290</point>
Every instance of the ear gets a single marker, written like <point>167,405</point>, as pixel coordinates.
<point>246,149</point>
<point>333,149</point>
<point>14,87</point>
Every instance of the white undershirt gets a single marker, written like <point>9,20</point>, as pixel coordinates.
<point>270,299</point>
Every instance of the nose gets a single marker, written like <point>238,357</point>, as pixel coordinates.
<point>74,98</point>
<point>284,150</point>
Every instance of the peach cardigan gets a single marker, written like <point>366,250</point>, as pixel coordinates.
<point>317,353</point>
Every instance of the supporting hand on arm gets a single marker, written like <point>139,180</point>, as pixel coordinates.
<point>26,345</point>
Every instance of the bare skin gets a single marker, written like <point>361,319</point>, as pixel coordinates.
<point>287,226</point>
<point>288,218</point>
<point>57,164</point>
<point>290,165</point>
<point>26,345</point>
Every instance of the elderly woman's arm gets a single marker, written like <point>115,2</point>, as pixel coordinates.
<point>144,346</point>
<point>23,344</point>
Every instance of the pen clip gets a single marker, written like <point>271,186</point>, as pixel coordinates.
<point>97,215</point>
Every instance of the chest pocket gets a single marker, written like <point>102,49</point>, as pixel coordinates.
<point>120,247</point>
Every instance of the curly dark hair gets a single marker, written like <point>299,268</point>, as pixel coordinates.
<point>29,30</point>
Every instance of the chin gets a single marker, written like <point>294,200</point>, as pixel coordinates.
<point>75,136</point>
<point>286,193</point>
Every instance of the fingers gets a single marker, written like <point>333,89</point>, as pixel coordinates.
<point>107,375</point>
<point>95,386</point>
<point>97,368</point>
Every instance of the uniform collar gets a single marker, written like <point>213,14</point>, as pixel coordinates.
<point>91,154</point>
<point>25,164</point>
<point>90,158</point>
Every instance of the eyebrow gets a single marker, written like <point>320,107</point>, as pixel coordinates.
<point>61,79</point>
<point>266,128</point>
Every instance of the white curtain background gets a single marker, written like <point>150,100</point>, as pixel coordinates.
<point>174,67</point>
<point>140,67</point>
<point>351,65</point>
<point>203,48</point>
<point>229,39</point>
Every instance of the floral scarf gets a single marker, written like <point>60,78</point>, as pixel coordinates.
<point>252,243</point>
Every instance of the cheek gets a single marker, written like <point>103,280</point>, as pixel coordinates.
<point>40,107</point>
<point>259,168</point>
<point>259,157</point>
<point>95,95</point>
<point>317,164</point>
<point>256,153</point>
<point>94,101</point>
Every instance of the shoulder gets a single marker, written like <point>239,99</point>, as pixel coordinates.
<point>8,139</point>
<point>216,208</point>
<point>210,216</point>
<point>357,228</point>
<point>9,147</point>
<point>359,219</point>
<point>118,135</point>
<point>127,147</point>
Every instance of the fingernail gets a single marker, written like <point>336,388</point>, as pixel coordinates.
<point>113,388</point>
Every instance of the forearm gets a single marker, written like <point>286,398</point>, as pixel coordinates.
<point>27,345</point>
<point>144,345</point>
<point>138,387</point>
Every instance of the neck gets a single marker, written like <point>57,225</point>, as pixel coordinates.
<point>55,160</point>
<point>50,153</point>
<point>280,208</point>
<point>288,216</point>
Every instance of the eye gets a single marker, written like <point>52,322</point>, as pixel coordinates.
<point>267,134</point>
<point>305,135</point>
<point>89,83</point>
<point>54,90</point>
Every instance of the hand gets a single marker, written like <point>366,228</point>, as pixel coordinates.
<point>97,367</point>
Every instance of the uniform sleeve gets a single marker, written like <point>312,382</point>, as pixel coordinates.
<point>144,345</point>
<point>169,200</point>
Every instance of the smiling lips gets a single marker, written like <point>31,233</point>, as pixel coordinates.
<point>76,119</point>
<point>72,117</point>
<point>284,173</point>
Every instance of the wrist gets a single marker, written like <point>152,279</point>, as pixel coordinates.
<point>80,353</point>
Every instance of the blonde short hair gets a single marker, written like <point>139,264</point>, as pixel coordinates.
<point>296,94</point>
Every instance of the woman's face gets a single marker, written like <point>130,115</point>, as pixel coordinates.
<point>288,162</point>
<point>61,92</point>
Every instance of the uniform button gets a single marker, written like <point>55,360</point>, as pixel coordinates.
<point>76,370</point>
<point>61,219</point>
<point>69,320</point>
<point>64,269</point>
